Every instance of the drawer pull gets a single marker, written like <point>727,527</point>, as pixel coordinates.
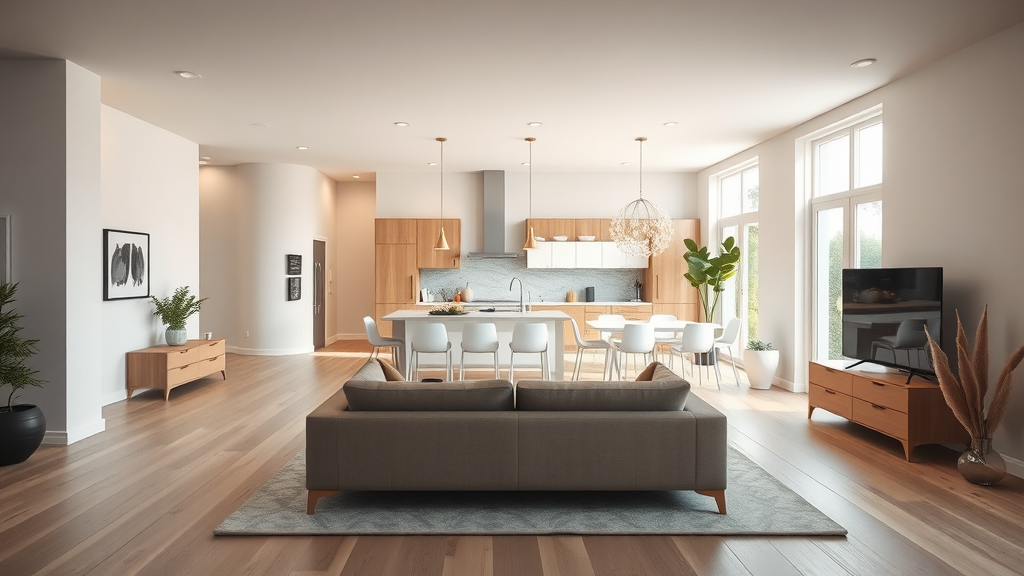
<point>877,406</point>
<point>878,384</point>
<point>827,391</point>
<point>830,370</point>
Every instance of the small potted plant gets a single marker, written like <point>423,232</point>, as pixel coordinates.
<point>174,311</point>
<point>760,360</point>
<point>22,426</point>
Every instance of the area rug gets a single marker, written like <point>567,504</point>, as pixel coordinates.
<point>758,504</point>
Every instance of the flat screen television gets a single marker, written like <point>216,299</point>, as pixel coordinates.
<point>885,314</point>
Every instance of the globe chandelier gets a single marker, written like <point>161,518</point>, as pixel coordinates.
<point>642,228</point>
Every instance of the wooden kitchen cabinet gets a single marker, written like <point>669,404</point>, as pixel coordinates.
<point>395,231</point>
<point>912,412</point>
<point>663,280</point>
<point>427,231</point>
<point>596,227</point>
<point>547,228</point>
<point>396,274</point>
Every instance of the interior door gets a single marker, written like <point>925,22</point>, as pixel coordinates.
<point>319,294</point>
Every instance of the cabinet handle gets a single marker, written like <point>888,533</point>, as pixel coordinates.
<point>878,407</point>
<point>827,391</point>
<point>412,288</point>
<point>657,286</point>
<point>827,369</point>
<point>453,263</point>
<point>878,384</point>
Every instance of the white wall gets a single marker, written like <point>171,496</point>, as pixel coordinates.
<point>49,110</point>
<point>150,184</point>
<point>353,284</point>
<point>555,195</point>
<point>253,215</point>
<point>953,198</point>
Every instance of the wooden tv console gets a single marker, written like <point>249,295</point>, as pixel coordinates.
<point>164,367</point>
<point>912,412</point>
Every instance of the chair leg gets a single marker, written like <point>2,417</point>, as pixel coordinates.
<point>414,369</point>
<point>578,367</point>
<point>732,361</point>
<point>462,367</point>
<point>545,372</point>
<point>448,366</point>
<point>512,367</point>
<point>496,374</point>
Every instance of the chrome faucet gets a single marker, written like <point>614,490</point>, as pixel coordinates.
<point>522,308</point>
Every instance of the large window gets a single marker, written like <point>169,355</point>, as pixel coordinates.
<point>846,177</point>
<point>738,200</point>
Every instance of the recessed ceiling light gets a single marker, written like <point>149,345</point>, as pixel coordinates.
<point>535,124</point>
<point>355,175</point>
<point>204,157</point>
<point>863,63</point>
<point>670,124</point>
<point>627,163</point>
<point>401,124</point>
<point>204,162</point>
<point>188,75</point>
<point>431,163</point>
<point>302,147</point>
<point>260,125</point>
<point>526,163</point>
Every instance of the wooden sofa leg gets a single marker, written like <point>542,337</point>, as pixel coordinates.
<point>315,495</point>
<point>718,495</point>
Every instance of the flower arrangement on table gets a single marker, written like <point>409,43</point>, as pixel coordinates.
<point>447,309</point>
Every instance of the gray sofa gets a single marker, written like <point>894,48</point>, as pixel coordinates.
<point>382,433</point>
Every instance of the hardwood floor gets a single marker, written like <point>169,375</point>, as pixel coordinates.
<point>144,496</point>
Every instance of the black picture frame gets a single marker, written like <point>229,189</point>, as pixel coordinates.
<point>294,288</point>
<point>125,264</point>
<point>294,264</point>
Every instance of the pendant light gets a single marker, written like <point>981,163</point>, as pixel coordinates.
<point>531,241</point>
<point>442,242</point>
<point>642,228</point>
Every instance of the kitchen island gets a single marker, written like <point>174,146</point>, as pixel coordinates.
<point>503,320</point>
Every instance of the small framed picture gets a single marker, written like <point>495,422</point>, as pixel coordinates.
<point>294,288</point>
<point>125,265</point>
<point>294,264</point>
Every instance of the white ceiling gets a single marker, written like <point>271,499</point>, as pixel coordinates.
<point>335,75</point>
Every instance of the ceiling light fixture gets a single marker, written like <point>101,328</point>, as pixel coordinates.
<point>188,75</point>
<point>531,241</point>
<point>626,164</point>
<point>401,124</point>
<point>302,147</point>
<point>355,175</point>
<point>442,242</point>
<point>670,124</point>
<point>260,125</point>
<point>204,162</point>
<point>431,163</point>
<point>204,157</point>
<point>863,63</point>
<point>535,124</point>
<point>642,228</point>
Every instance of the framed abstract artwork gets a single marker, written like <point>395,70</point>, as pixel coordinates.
<point>5,249</point>
<point>125,265</point>
<point>294,288</point>
<point>294,264</point>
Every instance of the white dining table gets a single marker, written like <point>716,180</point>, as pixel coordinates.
<point>504,321</point>
<point>614,326</point>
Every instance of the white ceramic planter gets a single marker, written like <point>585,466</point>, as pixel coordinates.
<point>760,367</point>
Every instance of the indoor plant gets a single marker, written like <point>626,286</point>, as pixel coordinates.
<point>708,274</point>
<point>22,426</point>
<point>760,360</point>
<point>966,397</point>
<point>174,311</point>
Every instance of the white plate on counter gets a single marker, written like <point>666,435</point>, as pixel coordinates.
<point>588,238</point>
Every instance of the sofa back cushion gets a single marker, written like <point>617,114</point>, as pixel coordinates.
<point>377,370</point>
<point>479,395</point>
<point>656,395</point>
<point>656,371</point>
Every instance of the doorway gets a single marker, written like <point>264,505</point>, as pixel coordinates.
<point>319,294</point>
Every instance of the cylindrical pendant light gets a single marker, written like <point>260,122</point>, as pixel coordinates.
<point>442,242</point>
<point>531,241</point>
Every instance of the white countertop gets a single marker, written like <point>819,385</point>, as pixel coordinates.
<point>509,303</point>
<point>476,315</point>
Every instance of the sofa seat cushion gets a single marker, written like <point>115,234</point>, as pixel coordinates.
<point>647,396</point>
<point>479,395</point>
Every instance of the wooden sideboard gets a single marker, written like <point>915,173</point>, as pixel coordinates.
<point>165,367</point>
<point>914,413</point>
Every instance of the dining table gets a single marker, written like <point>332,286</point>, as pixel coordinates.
<point>613,326</point>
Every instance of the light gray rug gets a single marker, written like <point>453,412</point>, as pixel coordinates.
<point>758,504</point>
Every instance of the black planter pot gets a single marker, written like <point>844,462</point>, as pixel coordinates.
<point>21,433</point>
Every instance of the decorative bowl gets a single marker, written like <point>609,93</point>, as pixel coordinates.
<point>559,238</point>
<point>539,238</point>
<point>588,238</point>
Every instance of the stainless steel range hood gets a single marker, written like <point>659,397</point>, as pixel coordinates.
<point>494,217</point>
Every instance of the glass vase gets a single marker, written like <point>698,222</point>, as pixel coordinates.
<point>980,464</point>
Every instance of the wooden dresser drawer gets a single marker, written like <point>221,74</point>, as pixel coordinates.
<point>211,350</point>
<point>181,374</point>
<point>176,358</point>
<point>885,420</point>
<point>831,378</point>
<point>210,365</point>
<point>835,402</point>
<point>881,393</point>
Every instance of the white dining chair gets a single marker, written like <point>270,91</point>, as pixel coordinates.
<point>616,318</point>
<point>697,338</point>
<point>428,338</point>
<point>665,338</point>
<point>378,341</point>
<point>583,345</point>
<point>529,338</point>
<point>637,338</point>
<point>730,337</point>
<point>479,338</point>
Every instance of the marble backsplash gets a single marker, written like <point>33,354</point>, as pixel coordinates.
<point>490,278</point>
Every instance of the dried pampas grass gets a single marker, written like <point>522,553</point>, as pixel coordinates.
<point>966,395</point>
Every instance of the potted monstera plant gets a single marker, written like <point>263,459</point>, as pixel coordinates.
<point>22,426</point>
<point>174,311</point>
<point>708,273</point>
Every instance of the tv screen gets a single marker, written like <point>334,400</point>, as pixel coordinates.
<point>885,314</point>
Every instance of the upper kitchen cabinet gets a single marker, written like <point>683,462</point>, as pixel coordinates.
<point>595,227</point>
<point>427,231</point>
<point>548,228</point>
<point>395,231</point>
<point>664,283</point>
